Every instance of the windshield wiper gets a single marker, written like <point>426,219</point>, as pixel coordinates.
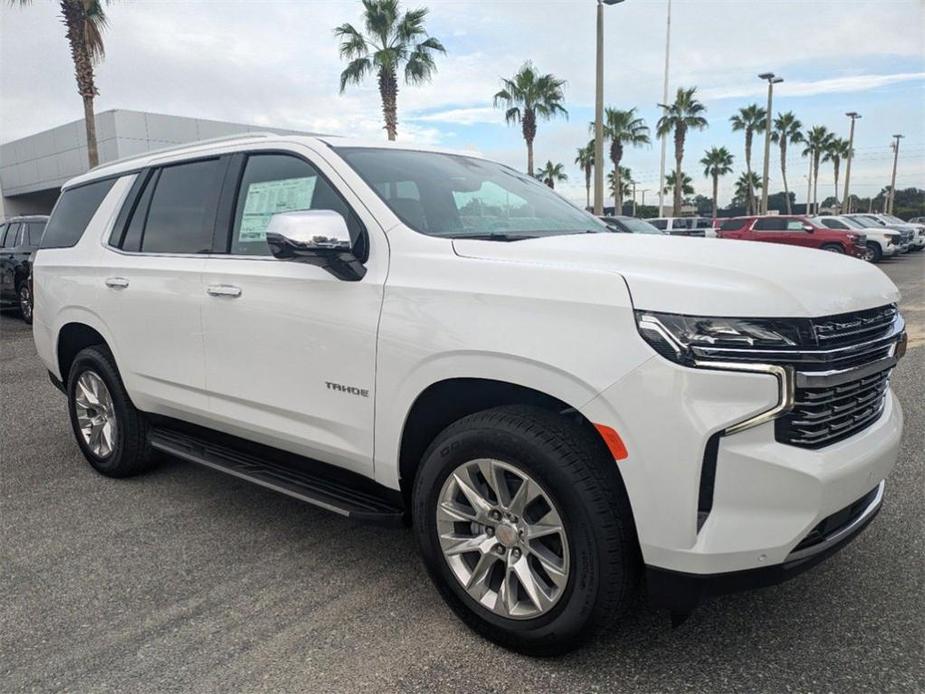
<point>496,236</point>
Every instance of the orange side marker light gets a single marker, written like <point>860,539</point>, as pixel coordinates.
<point>613,441</point>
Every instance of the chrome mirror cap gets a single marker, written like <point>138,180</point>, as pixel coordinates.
<point>321,231</point>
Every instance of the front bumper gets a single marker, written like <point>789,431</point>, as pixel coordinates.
<point>682,592</point>
<point>765,497</point>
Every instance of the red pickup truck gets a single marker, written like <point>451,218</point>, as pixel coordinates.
<point>794,230</point>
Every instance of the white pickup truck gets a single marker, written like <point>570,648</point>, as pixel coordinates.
<point>564,414</point>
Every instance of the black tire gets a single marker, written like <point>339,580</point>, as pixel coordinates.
<point>833,248</point>
<point>875,255</point>
<point>131,454</point>
<point>25,302</point>
<point>576,470</point>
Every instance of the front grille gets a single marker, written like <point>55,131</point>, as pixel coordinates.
<point>840,367</point>
<point>825,415</point>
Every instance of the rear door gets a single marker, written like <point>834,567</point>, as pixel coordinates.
<point>154,283</point>
<point>8,262</point>
<point>290,349</point>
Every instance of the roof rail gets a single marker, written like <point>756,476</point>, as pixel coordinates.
<point>184,145</point>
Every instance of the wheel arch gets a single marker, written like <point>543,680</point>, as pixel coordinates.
<point>72,338</point>
<point>446,401</point>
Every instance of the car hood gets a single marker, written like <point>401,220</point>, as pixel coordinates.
<point>712,277</point>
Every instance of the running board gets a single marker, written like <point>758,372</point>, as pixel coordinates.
<point>318,490</point>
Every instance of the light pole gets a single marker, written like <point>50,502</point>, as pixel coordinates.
<point>599,111</point>
<point>809,184</point>
<point>892,199</point>
<point>772,80</point>
<point>846,204</point>
<point>661,166</point>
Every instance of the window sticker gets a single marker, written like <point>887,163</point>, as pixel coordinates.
<point>269,197</point>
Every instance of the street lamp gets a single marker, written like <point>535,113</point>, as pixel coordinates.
<point>846,204</point>
<point>772,80</point>
<point>664,138</point>
<point>599,111</point>
<point>891,198</point>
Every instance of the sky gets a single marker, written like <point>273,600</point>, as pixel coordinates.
<point>276,64</point>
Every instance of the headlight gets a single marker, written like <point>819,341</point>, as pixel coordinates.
<point>687,339</point>
<point>852,237</point>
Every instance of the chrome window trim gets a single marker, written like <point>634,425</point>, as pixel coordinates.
<point>844,532</point>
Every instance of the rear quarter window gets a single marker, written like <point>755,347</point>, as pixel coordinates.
<point>74,210</point>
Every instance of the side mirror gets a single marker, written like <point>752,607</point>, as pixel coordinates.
<point>316,237</point>
<point>808,227</point>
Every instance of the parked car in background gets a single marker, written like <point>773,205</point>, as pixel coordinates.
<point>631,225</point>
<point>870,221</point>
<point>917,220</point>
<point>881,243</point>
<point>918,240</point>
<point>685,226</point>
<point>19,238</point>
<point>794,230</point>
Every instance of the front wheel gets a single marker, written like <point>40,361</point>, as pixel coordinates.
<point>524,525</point>
<point>833,248</point>
<point>874,253</point>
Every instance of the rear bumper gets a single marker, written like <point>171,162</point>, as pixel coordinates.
<point>682,592</point>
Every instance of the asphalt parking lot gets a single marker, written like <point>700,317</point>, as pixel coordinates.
<point>188,580</point>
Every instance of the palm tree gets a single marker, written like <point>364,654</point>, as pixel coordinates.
<point>585,161</point>
<point>717,161</point>
<point>549,173</point>
<point>84,21</point>
<point>684,114</point>
<point>753,120</point>
<point>837,150</point>
<point>817,143</point>
<point>392,41</point>
<point>622,127</point>
<point>786,129</point>
<point>527,96</point>
<point>617,185</point>
<point>686,184</point>
<point>746,185</point>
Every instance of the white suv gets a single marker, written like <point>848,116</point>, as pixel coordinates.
<point>401,335</point>
<point>881,243</point>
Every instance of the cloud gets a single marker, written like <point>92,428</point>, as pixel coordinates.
<point>855,83</point>
<point>463,116</point>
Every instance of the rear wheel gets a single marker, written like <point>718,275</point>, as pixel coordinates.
<point>833,248</point>
<point>874,254</point>
<point>111,433</point>
<point>524,525</point>
<point>25,302</point>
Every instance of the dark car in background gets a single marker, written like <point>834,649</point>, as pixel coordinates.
<point>19,238</point>
<point>630,225</point>
<point>794,230</point>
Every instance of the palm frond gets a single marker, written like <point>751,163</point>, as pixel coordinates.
<point>355,71</point>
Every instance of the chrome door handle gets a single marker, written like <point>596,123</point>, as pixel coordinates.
<point>117,282</point>
<point>224,290</point>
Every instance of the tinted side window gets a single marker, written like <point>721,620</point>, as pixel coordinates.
<point>182,210</point>
<point>770,224</point>
<point>731,225</point>
<point>12,232</point>
<point>34,233</point>
<point>74,210</point>
<point>659,223</point>
<point>274,183</point>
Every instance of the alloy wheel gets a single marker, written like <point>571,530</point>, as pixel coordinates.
<point>25,302</point>
<point>96,414</point>
<point>503,538</point>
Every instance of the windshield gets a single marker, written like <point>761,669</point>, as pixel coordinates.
<point>891,218</point>
<point>867,222</point>
<point>852,223</point>
<point>638,226</point>
<point>456,196</point>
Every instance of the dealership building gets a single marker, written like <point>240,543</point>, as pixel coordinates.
<point>33,169</point>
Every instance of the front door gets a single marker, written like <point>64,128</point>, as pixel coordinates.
<point>290,349</point>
